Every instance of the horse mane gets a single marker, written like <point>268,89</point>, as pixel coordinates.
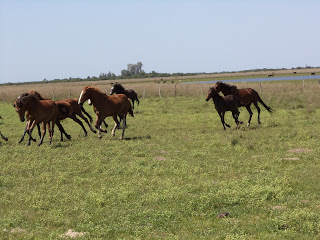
<point>118,86</point>
<point>231,88</point>
<point>31,93</point>
<point>93,89</point>
<point>214,92</point>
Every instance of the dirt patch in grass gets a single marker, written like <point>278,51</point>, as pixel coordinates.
<point>160,158</point>
<point>278,207</point>
<point>73,234</point>
<point>291,159</point>
<point>299,150</point>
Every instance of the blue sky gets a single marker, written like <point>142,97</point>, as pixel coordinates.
<point>77,38</point>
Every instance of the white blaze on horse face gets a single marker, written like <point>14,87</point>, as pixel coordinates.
<point>80,98</point>
<point>89,101</point>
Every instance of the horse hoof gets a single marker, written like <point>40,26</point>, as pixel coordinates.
<point>248,124</point>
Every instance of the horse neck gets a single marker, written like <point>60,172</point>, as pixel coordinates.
<point>31,105</point>
<point>228,91</point>
<point>96,98</point>
<point>217,98</point>
<point>119,91</point>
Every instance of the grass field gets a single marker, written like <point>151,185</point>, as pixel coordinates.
<point>172,176</point>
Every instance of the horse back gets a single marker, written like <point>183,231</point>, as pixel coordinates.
<point>115,105</point>
<point>45,111</point>
<point>247,95</point>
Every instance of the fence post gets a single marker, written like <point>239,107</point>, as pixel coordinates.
<point>53,95</point>
<point>175,90</point>
<point>69,94</point>
<point>159,91</point>
<point>144,93</point>
<point>303,84</point>
<point>260,88</point>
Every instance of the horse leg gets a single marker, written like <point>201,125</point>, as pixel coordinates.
<point>124,123</point>
<point>98,126</point>
<point>235,115</point>
<point>115,118</point>
<point>74,118</point>
<point>222,120</point>
<point>24,132</point>
<point>86,113</point>
<point>3,137</point>
<point>62,131</point>
<point>258,109</point>
<point>43,133</point>
<point>39,131</point>
<point>251,113</point>
<point>86,120</point>
<point>29,130</point>
<point>223,114</point>
<point>51,131</point>
<point>105,124</point>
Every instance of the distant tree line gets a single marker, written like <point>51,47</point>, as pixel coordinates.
<point>134,71</point>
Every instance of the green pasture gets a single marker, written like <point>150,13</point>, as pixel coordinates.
<point>171,177</point>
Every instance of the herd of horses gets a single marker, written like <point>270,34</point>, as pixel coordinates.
<point>38,110</point>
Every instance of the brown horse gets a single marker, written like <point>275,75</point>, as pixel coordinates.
<point>63,111</point>
<point>224,104</point>
<point>105,106</point>
<point>246,96</point>
<point>38,111</point>
<point>68,108</point>
<point>74,110</point>
<point>130,93</point>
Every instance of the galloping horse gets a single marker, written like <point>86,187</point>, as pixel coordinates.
<point>105,106</point>
<point>224,104</point>
<point>246,96</point>
<point>119,89</point>
<point>38,111</point>
<point>68,108</point>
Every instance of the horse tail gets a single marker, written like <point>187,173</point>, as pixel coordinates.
<point>63,109</point>
<point>270,110</point>
<point>130,109</point>
<point>86,113</point>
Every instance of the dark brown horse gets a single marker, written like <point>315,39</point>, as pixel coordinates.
<point>105,106</point>
<point>119,89</point>
<point>246,96</point>
<point>224,104</point>
<point>38,111</point>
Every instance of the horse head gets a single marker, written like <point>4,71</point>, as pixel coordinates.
<point>211,93</point>
<point>86,94</point>
<point>117,88</point>
<point>20,108</point>
<point>226,89</point>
